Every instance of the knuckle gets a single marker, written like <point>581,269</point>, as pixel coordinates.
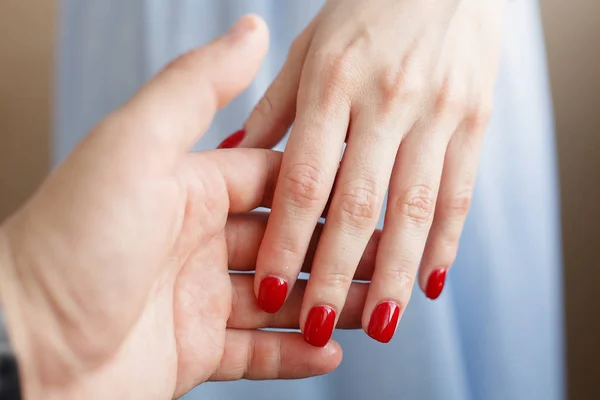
<point>399,85</point>
<point>417,203</point>
<point>459,204</point>
<point>264,359</point>
<point>449,100</point>
<point>340,65</point>
<point>232,239</point>
<point>252,359</point>
<point>304,185</point>
<point>359,203</point>
<point>337,70</point>
<point>272,166</point>
<point>413,80</point>
<point>265,107</point>
<point>398,276</point>
<point>413,88</point>
<point>336,280</point>
<point>235,303</point>
<point>284,248</point>
<point>478,116</point>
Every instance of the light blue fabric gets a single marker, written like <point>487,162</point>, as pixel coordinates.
<point>496,332</point>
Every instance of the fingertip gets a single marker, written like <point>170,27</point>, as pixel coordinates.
<point>318,360</point>
<point>258,23</point>
<point>332,351</point>
<point>435,283</point>
<point>251,28</point>
<point>272,293</point>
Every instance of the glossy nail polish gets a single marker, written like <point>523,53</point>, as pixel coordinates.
<point>435,283</point>
<point>384,321</point>
<point>272,293</point>
<point>319,325</point>
<point>233,140</point>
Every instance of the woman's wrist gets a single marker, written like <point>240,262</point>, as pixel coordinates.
<point>8,287</point>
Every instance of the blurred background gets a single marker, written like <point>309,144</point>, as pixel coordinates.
<point>572,30</point>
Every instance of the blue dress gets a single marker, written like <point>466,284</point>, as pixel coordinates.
<point>496,331</point>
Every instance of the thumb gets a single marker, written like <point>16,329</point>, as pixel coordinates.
<point>172,111</point>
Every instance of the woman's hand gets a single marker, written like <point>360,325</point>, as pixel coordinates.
<point>408,86</point>
<point>115,275</point>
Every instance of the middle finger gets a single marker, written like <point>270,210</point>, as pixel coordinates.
<point>352,217</point>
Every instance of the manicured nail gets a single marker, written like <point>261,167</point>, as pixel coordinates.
<point>272,293</point>
<point>435,284</point>
<point>233,140</point>
<point>384,321</point>
<point>319,325</point>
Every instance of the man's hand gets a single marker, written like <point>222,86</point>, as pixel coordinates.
<point>114,275</point>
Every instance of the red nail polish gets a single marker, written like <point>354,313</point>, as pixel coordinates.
<point>233,140</point>
<point>384,321</point>
<point>319,325</point>
<point>272,293</point>
<point>435,284</point>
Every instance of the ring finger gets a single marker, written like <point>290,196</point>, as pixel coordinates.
<point>411,203</point>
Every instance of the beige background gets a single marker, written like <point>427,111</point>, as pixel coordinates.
<point>26,39</point>
<point>573,41</point>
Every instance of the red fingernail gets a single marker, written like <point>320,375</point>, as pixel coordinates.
<point>319,325</point>
<point>272,293</point>
<point>384,321</point>
<point>233,140</point>
<point>435,284</point>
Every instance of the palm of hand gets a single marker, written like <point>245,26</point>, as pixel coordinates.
<point>179,337</point>
<point>167,316</point>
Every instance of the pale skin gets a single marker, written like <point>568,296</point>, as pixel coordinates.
<point>408,85</point>
<point>114,276</point>
<point>111,243</point>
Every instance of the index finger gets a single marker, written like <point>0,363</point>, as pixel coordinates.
<point>249,175</point>
<point>308,170</point>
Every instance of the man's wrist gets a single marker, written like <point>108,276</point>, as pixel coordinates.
<point>11,306</point>
<point>10,383</point>
<point>10,388</point>
<point>41,354</point>
<point>7,278</point>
